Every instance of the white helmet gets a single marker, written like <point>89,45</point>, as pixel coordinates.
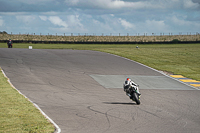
<point>127,83</point>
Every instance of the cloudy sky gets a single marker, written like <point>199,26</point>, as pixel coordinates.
<point>99,16</point>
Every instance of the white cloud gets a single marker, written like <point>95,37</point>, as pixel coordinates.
<point>156,26</point>
<point>133,5</point>
<point>13,13</point>
<point>142,4</point>
<point>57,21</point>
<point>181,22</point>
<point>51,13</point>
<point>71,23</point>
<point>178,4</point>
<point>112,15</point>
<point>177,21</point>
<point>100,27</point>
<point>44,18</point>
<point>27,19</point>
<point>75,24</point>
<point>125,24</point>
<point>190,4</point>
<point>115,4</point>
<point>74,20</point>
<point>72,2</point>
<point>35,2</point>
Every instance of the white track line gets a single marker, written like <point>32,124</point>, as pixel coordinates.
<point>58,130</point>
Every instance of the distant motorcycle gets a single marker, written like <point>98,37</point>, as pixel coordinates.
<point>9,43</point>
<point>132,90</point>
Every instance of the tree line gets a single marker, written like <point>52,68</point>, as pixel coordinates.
<point>3,32</point>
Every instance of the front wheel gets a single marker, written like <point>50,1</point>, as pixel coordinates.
<point>136,98</point>
<point>9,46</point>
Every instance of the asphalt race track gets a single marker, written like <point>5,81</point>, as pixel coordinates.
<point>81,91</point>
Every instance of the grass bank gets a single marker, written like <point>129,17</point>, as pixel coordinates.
<point>17,114</point>
<point>110,38</point>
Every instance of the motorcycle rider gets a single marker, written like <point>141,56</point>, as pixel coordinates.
<point>128,84</point>
<point>9,43</point>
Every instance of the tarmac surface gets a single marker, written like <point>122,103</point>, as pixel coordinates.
<point>81,91</point>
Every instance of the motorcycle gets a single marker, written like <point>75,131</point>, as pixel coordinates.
<point>132,91</point>
<point>9,44</point>
<point>134,95</point>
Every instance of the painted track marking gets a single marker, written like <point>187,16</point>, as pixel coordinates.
<point>191,82</point>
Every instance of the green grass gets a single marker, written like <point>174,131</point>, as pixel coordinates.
<point>17,114</point>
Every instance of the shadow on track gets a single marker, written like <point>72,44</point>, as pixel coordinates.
<point>120,103</point>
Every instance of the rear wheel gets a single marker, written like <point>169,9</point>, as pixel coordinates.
<point>136,98</point>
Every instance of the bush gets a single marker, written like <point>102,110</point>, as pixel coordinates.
<point>175,41</point>
<point>4,32</point>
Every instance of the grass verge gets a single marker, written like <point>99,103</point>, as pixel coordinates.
<point>17,114</point>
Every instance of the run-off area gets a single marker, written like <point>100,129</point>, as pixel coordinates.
<point>144,82</point>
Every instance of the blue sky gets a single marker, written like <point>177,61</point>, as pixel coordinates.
<point>99,16</point>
